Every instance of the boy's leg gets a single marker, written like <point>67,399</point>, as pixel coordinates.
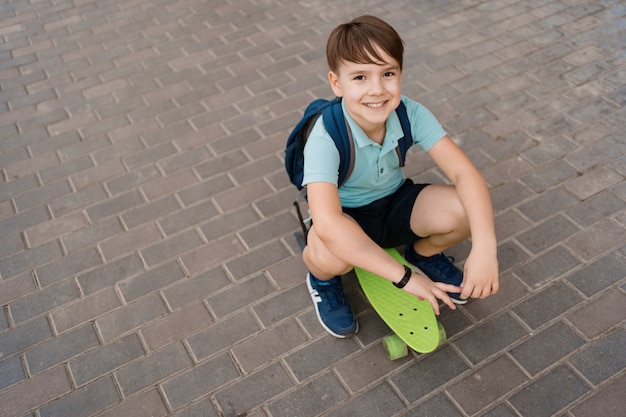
<point>324,284</point>
<point>439,218</point>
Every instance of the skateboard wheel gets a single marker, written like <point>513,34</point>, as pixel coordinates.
<point>442,333</point>
<point>394,347</point>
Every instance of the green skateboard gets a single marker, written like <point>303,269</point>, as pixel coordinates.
<point>413,321</point>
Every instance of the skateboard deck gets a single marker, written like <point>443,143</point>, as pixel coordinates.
<point>412,320</point>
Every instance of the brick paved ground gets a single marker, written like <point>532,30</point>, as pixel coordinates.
<point>149,262</point>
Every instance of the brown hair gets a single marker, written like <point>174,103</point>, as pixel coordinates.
<point>357,40</point>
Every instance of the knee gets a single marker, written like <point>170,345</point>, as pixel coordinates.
<point>320,260</point>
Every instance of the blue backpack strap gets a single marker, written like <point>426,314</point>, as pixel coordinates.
<point>407,140</point>
<point>337,127</point>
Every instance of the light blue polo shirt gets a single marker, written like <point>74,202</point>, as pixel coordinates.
<point>376,172</point>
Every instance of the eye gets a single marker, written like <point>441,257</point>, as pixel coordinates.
<point>359,78</point>
<point>389,74</point>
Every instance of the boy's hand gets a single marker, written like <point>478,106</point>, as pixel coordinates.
<point>480,277</point>
<point>425,289</point>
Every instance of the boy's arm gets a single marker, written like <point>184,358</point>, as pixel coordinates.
<point>345,239</point>
<point>481,267</point>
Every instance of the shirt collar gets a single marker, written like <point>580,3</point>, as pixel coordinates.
<point>392,136</point>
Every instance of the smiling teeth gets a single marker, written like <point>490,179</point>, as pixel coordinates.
<point>374,106</point>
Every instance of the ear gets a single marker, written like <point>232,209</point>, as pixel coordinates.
<point>333,80</point>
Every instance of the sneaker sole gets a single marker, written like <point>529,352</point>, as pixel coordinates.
<point>314,296</point>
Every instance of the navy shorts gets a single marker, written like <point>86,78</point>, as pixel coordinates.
<point>387,221</point>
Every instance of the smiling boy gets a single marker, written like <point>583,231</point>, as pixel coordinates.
<point>376,207</point>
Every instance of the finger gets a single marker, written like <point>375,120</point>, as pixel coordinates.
<point>468,291</point>
<point>447,287</point>
<point>435,304</point>
<point>447,300</point>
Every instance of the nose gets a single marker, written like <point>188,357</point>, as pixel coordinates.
<point>376,87</point>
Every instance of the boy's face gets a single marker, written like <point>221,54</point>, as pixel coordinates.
<point>370,92</point>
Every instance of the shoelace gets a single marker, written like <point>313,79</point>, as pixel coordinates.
<point>333,294</point>
<point>443,264</point>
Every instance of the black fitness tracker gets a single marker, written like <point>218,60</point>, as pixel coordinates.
<point>405,279</point>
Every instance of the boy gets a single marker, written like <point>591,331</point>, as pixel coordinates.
<point>376,207</point>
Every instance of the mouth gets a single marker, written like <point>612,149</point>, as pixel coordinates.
<point>375,106</point>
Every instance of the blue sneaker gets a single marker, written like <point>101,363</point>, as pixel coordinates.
<point>439,268</point>
<point>331,306</point>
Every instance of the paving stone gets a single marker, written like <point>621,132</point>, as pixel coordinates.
<point>487,384</point>
<point>170,247</point>
<point>205,377</point>
<point>78,199</point>
<point>189,217</point>
<point>551,175</point>
<point>546,348</point>
<point>598,275</point>
<point>282,305</point>
<point>85,309</point>
<point>222,334</point>
<point>595,209</point>
<point>429,374</point>
<point>607,402</point>
<point>84,401</point>
<point>547,304</point>
<point>548,151</point>
<point>599,315</point>
<point>501,331</point>
<point>37,390</point>
<point>268,345</point>
<point>289,273</point>
<point>116,137</point>
<point>149,404</point>
<point>316,356</point>
<point>367,367</point>
<point>510,292</point>
<point>69,265</point>
<point>208,256</point>
<point>150,211</point>
<point>151,280</point>
<point>508,195</point>
<point>24,336</point>
<point>588,156</point>
<point>381,400</point>
<point>152,369</point>
<point>12,372</point>
<point>201,409</point>
<point>550,393</point>
<point>176,325</point>
<point>114,206</point>
<point>243,396</point>
<point>500,411</point>
<point>126,318</point>
<point>28,259</point>
<point>109,274</point>
<point>257,259</point>
<point>547,234</point>
<point>60,349</point>
<point>545,268</point>
<point>195,288</point>
<point>267,230</point>
<point>593,182</point>
<point>511,254</point>
<point>132,240</point>
<point>39,196</point>
<point>547,204</point>
<point>603,358</point>
<point>305,402</point>
<point>100,361</point>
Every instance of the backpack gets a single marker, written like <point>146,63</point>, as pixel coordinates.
<point>337,127</point>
